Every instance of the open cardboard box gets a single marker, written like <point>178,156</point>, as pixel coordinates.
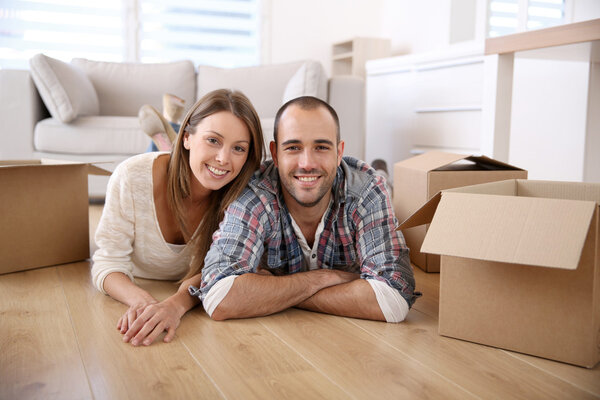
<point>520,266</point>
<point>44,212</point>
<point>418,178</point>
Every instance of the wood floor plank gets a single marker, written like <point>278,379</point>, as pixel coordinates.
<point>245,360</point>
<point>587,379</point>
<point>38,358</point>
<point>429,285</point>
<point>355,360</point>
<point>484,371</point>
<point>297,385</point>
<point>117,370</point>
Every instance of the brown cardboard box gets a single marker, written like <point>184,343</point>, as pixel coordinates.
<point>44,213</point>
<point>520,266</point>
<point>418,178</point>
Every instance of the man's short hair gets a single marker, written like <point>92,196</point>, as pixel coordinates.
<point>307,103</point>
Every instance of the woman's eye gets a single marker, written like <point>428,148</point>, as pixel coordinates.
<point>239,149</point>
<point>212,141</point>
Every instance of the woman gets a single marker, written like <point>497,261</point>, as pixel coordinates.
<point>162,208</point>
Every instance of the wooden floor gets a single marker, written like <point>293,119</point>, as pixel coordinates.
<point>58,339</point>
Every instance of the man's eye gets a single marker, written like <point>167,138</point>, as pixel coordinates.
<point>292,148</point>
<point>322,147</point>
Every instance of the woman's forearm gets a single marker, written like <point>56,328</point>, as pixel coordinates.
<point>119,287</point>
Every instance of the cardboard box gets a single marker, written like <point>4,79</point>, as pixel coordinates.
<point>44,213</point>
<point>418,178</point>
<point>520,266</point>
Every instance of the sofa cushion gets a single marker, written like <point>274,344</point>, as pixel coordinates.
<point>263,85</point>
<point>267,129</point>
<point>124,87</point>
<point>91,135</point>
<point>309,80</point>
<point>65,89</point>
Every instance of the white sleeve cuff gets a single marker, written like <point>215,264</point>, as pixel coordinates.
<point>217,293</point>
<point>392,304</point>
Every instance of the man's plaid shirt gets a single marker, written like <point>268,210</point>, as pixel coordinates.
<point>359,233</point>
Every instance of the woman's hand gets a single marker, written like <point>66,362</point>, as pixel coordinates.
<point>152,320</point>
<point>132,313</point>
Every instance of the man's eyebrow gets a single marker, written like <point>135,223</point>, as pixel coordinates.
<point>297,141</point>
<point>291,141</point>
<point>324,141</point>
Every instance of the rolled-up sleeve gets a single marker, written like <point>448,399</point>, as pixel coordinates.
<point>381,249</point>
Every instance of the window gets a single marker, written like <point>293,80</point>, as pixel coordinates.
<point>211,32</point>
<point>511,16</point>
<point>221,33</point>
<point>61,29</point>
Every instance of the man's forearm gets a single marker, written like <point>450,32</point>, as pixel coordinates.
<point>254,295</point>
<point>354,299</point>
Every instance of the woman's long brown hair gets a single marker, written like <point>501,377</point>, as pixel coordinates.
<point>179,173</point>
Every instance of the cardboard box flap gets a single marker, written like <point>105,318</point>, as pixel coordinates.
<point>491,164</point>
<point>93,168</point>
<point>520,230</point>
<point>97,170</point>
<point>18,163</point>
<point>423,215</point>
<point>431,160</point>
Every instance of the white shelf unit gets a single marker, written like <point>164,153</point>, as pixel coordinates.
<point>349,57</point>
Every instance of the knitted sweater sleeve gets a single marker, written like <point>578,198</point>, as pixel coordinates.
<point>116,230</point>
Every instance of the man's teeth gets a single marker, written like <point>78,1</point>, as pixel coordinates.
<point>307,178</point>
<point>216,171</point>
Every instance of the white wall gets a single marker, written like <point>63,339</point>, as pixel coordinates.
<point>307,29</point>
<point>294,30</point>
<point>416,26</point>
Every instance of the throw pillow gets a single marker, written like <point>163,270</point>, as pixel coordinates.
<point>65,89</point>
<point>124,87</point>
<point>309,80</point>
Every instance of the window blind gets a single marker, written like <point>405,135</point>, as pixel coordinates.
<point>512,16</point>
<point>212,32</point>
<point>61,29</point>
<point>221,33</point>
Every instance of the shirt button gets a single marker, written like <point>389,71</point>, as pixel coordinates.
<point>314,255</point>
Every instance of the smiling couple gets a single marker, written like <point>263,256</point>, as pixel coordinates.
<point>310,229</point>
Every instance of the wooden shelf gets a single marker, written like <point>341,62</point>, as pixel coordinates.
<point>349,57</point>
<point>578,32</point>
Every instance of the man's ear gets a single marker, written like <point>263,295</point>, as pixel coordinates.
<point>340,150</point>
<point>273,149</point>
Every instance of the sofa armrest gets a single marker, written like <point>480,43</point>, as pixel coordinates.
<point>21,108</point>
<point>347,97</point>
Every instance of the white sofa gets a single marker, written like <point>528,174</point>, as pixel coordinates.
<point>89,108</point>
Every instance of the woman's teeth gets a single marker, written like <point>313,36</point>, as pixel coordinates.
<point>216,171</point>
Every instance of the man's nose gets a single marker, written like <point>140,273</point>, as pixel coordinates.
<point>307,160</point>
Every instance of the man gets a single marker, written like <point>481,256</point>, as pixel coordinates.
<point>313,230</point>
